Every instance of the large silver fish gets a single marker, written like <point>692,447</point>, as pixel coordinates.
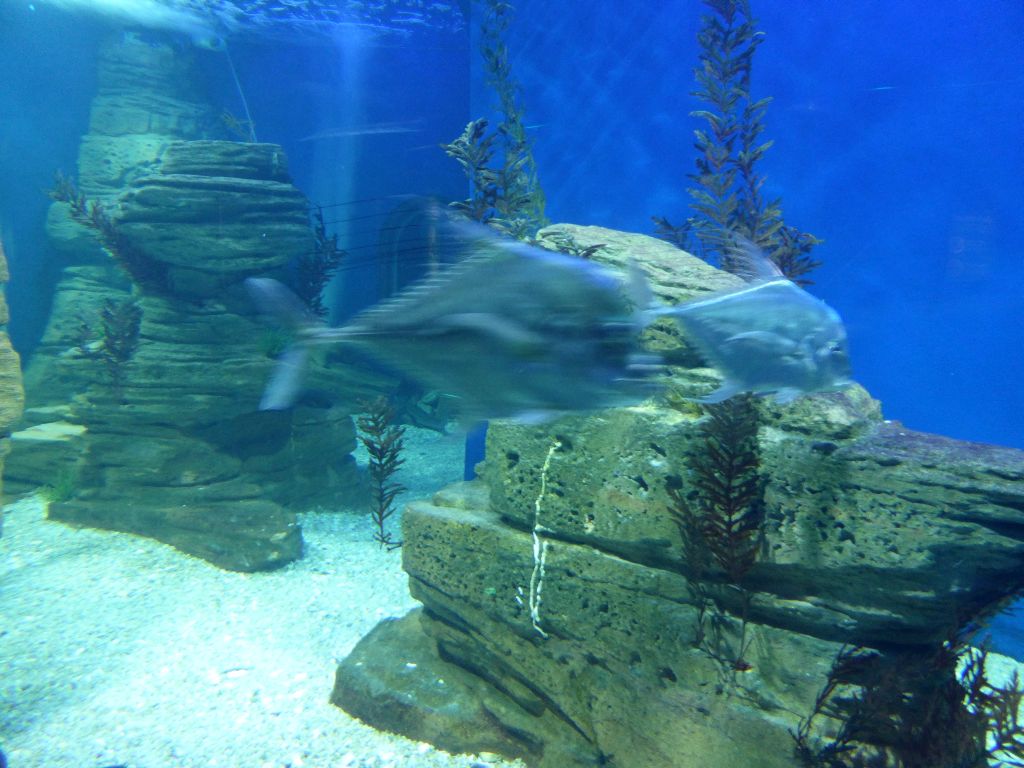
<point>511,330</point>
<point>767,337</point>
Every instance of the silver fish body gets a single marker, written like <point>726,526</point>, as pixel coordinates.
<point>512,331</point>
<point>768,337</point>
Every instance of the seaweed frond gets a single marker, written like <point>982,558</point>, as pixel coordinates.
<point>313,271</point>
<point>726,477</point>
<point>563,242</point>
<point>727,195</point>
<point>120,325</point>
<point>505,188</point>
<point>145,272</point>
<point>474,149</point>
<point>722,522</point>
<point>383,441</point>
<point>915,708</point>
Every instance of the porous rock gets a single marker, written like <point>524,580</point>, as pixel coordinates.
<point>589,643</point>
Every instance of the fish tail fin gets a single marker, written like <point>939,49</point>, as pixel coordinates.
<point>276,301</point>
<point>286,380</point>
<point>638,289</point>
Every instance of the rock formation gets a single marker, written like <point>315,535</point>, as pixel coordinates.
<point>564,623</point>
<point>142,412</point>
<point>12,395</point>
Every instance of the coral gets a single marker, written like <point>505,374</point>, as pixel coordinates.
<point>727,192</point>
<point>383,441</point>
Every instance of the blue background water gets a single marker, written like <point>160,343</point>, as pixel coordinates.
<point>897,140</point>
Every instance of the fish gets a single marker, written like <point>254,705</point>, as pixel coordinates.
<point>768,337</point>
<point>510,330</point>
<point>373,129</point>
<point>204,26</point>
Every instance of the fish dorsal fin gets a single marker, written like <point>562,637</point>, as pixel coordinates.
<point>748,261</point>
<point>638,290</point>
<point>433,284</point>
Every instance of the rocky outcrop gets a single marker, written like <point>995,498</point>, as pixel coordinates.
<point>143,394</point>
<point>12,394</point>
<point>215,213</point>
<point>563,622</point>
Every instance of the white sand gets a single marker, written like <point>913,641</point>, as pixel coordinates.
<point>115,649</point>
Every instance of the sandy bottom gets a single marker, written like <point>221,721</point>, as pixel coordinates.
<point>118,650</point>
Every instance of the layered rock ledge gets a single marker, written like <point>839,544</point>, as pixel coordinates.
<point>590,653</point>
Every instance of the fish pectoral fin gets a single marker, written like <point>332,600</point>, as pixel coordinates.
<point>492,325</point>
<point>286,380</point>
<point>766,340</point>
<point>786,395</point>
<point>724,392</point>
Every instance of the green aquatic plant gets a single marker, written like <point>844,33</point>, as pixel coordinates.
<point>120,325</point>
<point>474,150</point>
<point>383,440</point>
<point>63,488</point>
<point>506,191</point>
<point>919,708</point>
<point>313,271</point>
<point>145,272</point>
<point>563,242</point>
<point>241,129</point>
<point>727,192</point>
<point>721,522</point>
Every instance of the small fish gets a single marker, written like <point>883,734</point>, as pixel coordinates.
<point>372,129</point>
<point>511,330</point>
<point>204,24</point>
<point>767,337</point>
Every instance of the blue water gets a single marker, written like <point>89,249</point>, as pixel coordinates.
<point>897,140</point>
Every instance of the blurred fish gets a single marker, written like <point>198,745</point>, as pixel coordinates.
<point>767,337</point>
<point>511,330</point>
<point>372,129</point>
<point>204,25</point>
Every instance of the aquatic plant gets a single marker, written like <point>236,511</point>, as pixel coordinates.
<point>63,488</point>
<point>922,708</point>
<point>563,242</point>
<point>241,129</point>
<point>145,272</point>
<point>272,342</point>
<point>721,523</point>
<point>313,271</point>
<point>120,323</point>
<point>383,441</point>
<point>474,149</point>
<point>727,195</point>
<point>522,186</point>
<point>509,197</point>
